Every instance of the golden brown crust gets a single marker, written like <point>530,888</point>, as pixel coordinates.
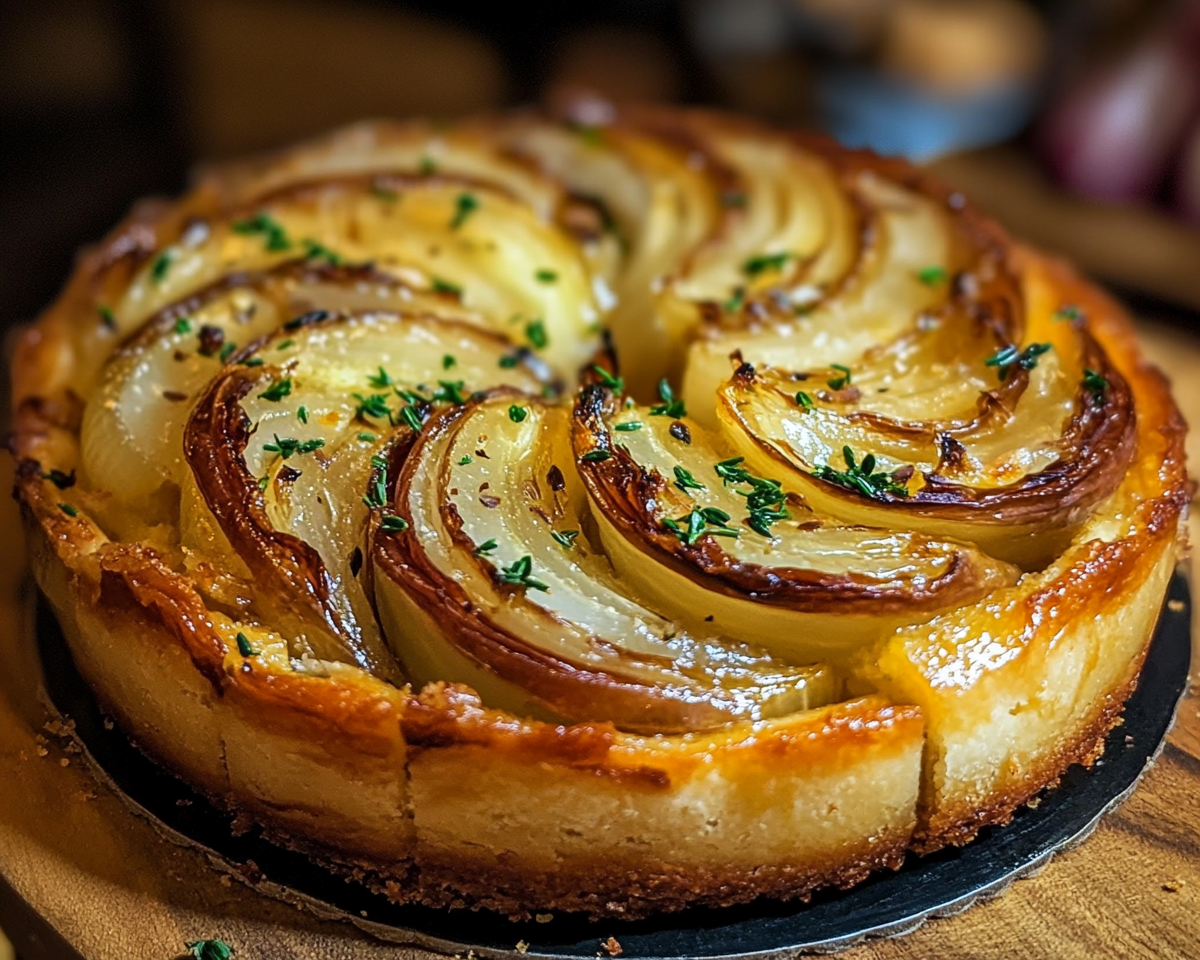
<point>380,783</point>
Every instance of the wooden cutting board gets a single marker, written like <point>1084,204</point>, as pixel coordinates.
<point>86,877</point>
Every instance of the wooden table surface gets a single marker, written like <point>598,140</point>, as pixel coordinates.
<point>86,876</point>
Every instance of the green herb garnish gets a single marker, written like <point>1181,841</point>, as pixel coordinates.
<point>210,950</point>
<point>227,351</point>
<point>376,497</point>
<point>546,276</point>
<point>302,414</point>
<point>700,522</point>
<point>69,510</point>
<point>596,456</point>
<point>485,548</point>
<point>318,251</point>
<point>736,301</point>
<point>615,384</point>
<point>61,480</point>
<point>381,379</point>
<point>465,205</point>
<point>286,343</point>
<point>448,361</point>
<point>1096,384</point>
<point>1007,357</point>
<point>243,645</point>
<point>565,537</point>
<point>367,437</point>
<point>517,414</point>
<point>761,264</point>
<point>836,383</point>
<point>932,276</point>
<point>277,390</point>
<point>289,446</point>
<point>445,286</point>
<point>183,325</point>
<point>465,459</point>
<point>803,400</point>
<point>275,238</point>
<point>535,330</point>
<point>519,574</point>
<point>628,426</point>
<point>372,405</point>
<point>861,477</point>
<point>160,266</point>
<point>670,406</point>
<point>685,481</point>
<point>1068,311</point>
<point>393,524</point>
<point>251,362</point>
<point>106,317</point>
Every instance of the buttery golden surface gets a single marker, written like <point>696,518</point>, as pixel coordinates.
<point>848,539</point>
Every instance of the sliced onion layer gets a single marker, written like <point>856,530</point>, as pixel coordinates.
<point>497,583</point>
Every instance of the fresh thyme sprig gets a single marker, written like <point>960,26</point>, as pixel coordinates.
<point>520,574</point>
<point>861,477</point>
<point>671,405</point>
<point>1008,357</point>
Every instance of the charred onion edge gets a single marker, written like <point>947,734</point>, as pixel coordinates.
<point>568,689</point>
<point>623,489</point>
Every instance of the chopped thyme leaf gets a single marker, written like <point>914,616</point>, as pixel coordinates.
<point>565,537</point>
<point>379,461</point>
<point>764,499</point>
<point>69,510</point>
<point>836,383</point>
<point>465,205</point>
<point>590,134</point>
<point>277,390</point>
<point>251,362</point>
<point>628,426</point>
<point>736,301</point>
<point>209,950</point>
<point>510,360</point>
<point>264,482</point>
<point>183,325</point>
<point>227,351</point>
<point>685,481</point>
<point>302,414</point>
<point>243,645</point>
<point>381,379</point>
<point>692,526</point>
<point>861,477</point>
<point>393,524</point>
<point>615,384</point>
<point>1096,384</point>
<point>438,285</point>
<point>383,193</point>
<point>450,391</point>
<point>596,456</point>
<point>732,471</point>
<point>427,167</point>
<point>803,400</point>
<point>376,497</point>
<point>286,343</point>
<point>448,361</point>
<point>106,317</point>
<point>485,548</point>
<point>160,266</point>
<point>932,276</point>
<point>546,276</point>
<point>670,406</point>
<point>535,330</point>
<point>1068,311</point>
<point>1007,357</point>
<point>518,574</point>
<point>275,238</point>
<point>366,437</point>
<point>761,264</point>
<point>465,459</point>
<point>372,405</point>
<point>760,520</point>
<point>733,198</point>
<point>61,480</point>
<point>411,418</point>
<point>517,414</point>
<point>318,251</point>
<point>288,446</point>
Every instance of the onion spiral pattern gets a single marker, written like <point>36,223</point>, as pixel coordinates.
<point>599,454</point>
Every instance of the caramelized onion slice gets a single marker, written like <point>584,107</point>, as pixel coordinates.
<point>496,583</point>
<point>881,299</point>
<point>702,537</point>
<point>282,455</point>
<point>476,244</point>
<point>1013,479</point>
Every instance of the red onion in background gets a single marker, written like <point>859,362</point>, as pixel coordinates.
<point>1187,179</point>
<point>1113,134</point>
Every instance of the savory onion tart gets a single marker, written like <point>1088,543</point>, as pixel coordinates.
<point>540,515</point>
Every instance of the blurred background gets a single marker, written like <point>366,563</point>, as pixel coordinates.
<point>1076,122</point>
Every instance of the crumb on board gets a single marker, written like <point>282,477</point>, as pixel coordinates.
<point>1173,886</point>
<point>612,947</point>
<point>543,917</point>
<point>522,947</point>
<point>1176,606</point>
